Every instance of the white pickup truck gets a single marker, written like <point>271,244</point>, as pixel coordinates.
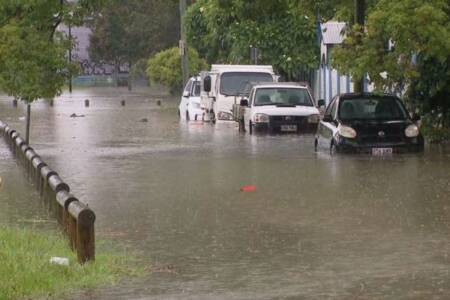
<point>222,87</point>
<point>279,108</point>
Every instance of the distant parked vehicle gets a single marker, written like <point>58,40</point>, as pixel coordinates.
<point>279,108</point>
<point>222,87</point>
<point>376,124</point>
<point>189,108</point>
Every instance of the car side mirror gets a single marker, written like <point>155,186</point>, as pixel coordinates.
<point>207,84</point>
<point>327,118</point>
<point>321,103</point>
<point>186,94</point>
<point>244,102</point>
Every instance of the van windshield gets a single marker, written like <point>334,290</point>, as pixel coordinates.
<point>232,83</point>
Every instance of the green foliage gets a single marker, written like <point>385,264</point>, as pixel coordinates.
<point>129,30</point>
<point>165,67</point>
<point>433,128</point>
<point>27,274</point>
<point>32,53</point>
<point>418,62</point>
<point>139,69</point>
<point>283,31</point>
<point>31,66</point>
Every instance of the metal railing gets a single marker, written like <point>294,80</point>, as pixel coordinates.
<point>77,219</point>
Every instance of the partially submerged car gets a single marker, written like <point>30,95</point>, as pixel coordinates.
<point>280,108</point>
<point>189,108</point>
<point>376,124</point>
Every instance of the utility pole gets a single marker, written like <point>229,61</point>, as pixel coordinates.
<point>254,55</point>
<point>360,14</point>
<point>183,44</point>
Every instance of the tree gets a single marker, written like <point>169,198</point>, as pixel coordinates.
<point>283,31</point>
<point>165,67</point>
<point>33,61</point>
<point>130,30</point>
<point>405,47</point>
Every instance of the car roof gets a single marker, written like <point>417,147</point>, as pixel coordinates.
<point>280,84</point>
<point>242,68</point>
<point>256,85</point>
<point>366,95</point>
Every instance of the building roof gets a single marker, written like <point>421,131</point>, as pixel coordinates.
<point>332,32</point>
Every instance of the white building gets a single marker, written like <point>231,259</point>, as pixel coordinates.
<point>328,81</point>
<point>80,53</point>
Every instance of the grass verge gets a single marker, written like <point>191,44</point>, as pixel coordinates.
<point>25,271</point>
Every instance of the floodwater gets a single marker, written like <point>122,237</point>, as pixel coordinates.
<point>317,227</point>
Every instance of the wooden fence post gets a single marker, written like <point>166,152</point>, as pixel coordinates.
<point>85,233</point>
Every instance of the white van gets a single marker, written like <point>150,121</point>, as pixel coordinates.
<point>222,88</point>
<point>189,108</point>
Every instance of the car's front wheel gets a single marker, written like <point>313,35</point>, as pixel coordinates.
<point>316,145</point>
<point>187,116</point>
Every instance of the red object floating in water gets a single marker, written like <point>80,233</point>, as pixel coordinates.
<point>248,188</point>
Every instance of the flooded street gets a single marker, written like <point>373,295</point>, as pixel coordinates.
<point>317,227</point>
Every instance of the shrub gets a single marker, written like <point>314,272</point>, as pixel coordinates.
<point>165,67</point>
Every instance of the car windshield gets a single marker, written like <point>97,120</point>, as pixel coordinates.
<point>282,96</point>
<point>387,108</point>
<point>196,89</point>
<point>231,84</point>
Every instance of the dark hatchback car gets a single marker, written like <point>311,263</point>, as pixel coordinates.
<point>370,123</point>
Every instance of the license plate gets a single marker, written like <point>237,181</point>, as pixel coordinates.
<point>382,151</point>
<point>289,128</point>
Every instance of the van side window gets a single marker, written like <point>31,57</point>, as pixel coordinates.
<point>188,86</point>
<point>195,89</point>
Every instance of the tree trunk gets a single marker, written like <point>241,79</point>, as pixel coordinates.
<point>130,78</point>
<point>70,58</point>
<point>183,44</point>
<point>27,133</point>
<point>116,73</point>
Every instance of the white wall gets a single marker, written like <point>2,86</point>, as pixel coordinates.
<point>326,84</point>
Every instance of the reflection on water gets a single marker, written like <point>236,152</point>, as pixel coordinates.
<point>317,226</point>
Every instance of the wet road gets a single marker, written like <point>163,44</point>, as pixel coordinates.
<point>317,227</point>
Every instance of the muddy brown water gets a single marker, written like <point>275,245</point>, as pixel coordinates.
<point>317,227</point>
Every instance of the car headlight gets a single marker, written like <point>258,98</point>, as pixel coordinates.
<point>314,119</point>
<point>261,118</point>
<point>347,132</point>
<point>224,116</point>
<point>412,131</point>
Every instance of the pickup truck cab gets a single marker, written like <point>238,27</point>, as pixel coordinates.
<point>280,108</point>
<point>222,86</point>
